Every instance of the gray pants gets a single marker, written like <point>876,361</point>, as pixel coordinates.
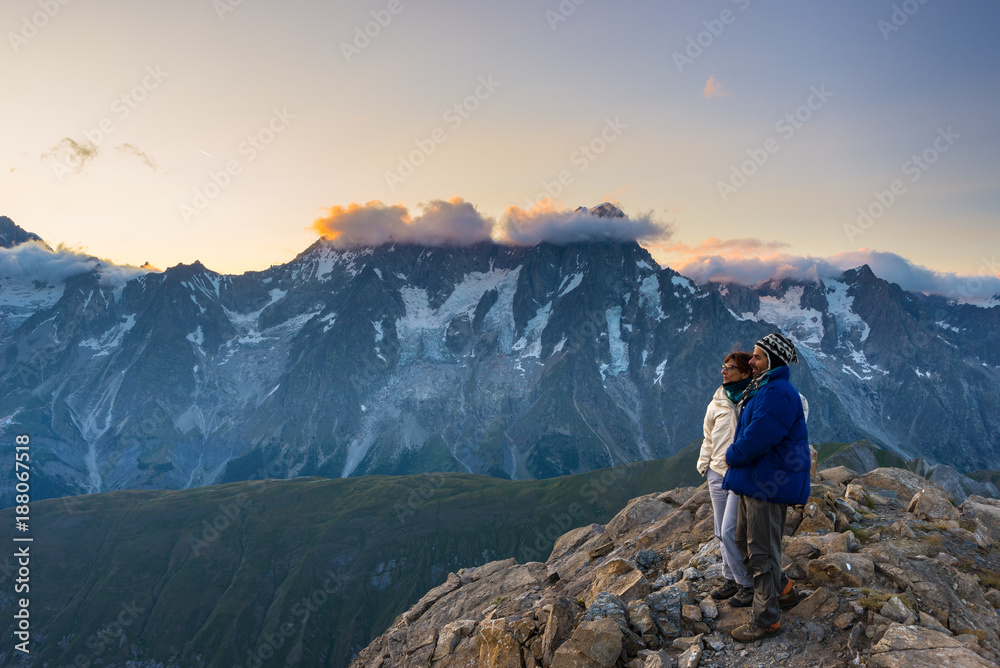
<point>725,507</point>
<point>759,527</point>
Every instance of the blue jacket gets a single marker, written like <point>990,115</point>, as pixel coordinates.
<point>769,458</point>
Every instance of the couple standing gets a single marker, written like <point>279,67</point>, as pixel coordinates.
<point>756,458</point>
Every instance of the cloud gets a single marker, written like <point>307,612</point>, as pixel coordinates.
<point>714,89</point>
<point>442,223</point>
<point>753,261</point>
<point>71,153</point>
<point>34,261</point>
<point>132,149</point>
<point>74,155</point>
<point>457,222</point>
<point>544,222</point>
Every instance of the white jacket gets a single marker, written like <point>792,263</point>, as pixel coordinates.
<point>720,429</point>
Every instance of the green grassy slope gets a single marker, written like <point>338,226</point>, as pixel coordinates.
<point>307,570</point>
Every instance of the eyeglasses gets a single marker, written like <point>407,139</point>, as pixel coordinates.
<point>729,367</point>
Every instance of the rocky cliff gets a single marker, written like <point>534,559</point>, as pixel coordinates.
<point>890,572</point>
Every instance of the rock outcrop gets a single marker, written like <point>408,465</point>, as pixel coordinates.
<point>890,573</point>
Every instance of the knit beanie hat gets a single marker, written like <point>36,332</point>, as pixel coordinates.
<point>780,350</point>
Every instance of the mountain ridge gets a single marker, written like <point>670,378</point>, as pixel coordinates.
<point>516,361</point>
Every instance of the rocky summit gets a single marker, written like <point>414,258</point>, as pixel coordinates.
<point>889,571</point>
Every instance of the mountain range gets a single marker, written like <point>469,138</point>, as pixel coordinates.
<point>511,361</point>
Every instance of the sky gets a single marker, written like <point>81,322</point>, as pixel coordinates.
<point>741,138</point>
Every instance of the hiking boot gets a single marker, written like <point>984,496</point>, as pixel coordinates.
<point>725,591</point>
<point>742,598</point>
<point>789,597</point>
<point>750,632</point>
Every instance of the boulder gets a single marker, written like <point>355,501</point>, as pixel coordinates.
<point>899,484</point>
<point>958,485</point>
<point>933,505</point>
<point>498,648</point>
<point>658,659</point>
<point>838,474</point>
<point>596,644</point>
<point>570,550</point>
<point>817,605</point>
<point>608,606</point>
<point>985,513</point>
<point>917,647</point>
<point>665,607</point>
<point>690,657</point>
<point>636,517</point>
<point>855,492</point>
<point>667,531</point>
<point>814,518</point>
<point>896,610</point>
<point>841,569</point>
<point>709,610</point>
<point>620,578</point>
<point>450,635</point>
<point>563,612</point>
<point>640,619</point>
<point>677,497</point>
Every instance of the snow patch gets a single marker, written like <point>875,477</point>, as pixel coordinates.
<point>660,368</point>
<point>840,308</point>
<point>802,325</point>
<point>196,337</point>
<point>649,295</point>
<point>110,339</point>
<point>617,347</point>
<point>533,333</point>
<point>574,283</point>
<point>423,324</point>
<point>682,282</point>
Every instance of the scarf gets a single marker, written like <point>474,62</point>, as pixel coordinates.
<point>734,390</point>
<point>759,381</point>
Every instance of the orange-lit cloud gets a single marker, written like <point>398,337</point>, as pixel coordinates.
<point>457,222</point>
<point>714,89</point>
<point>452,222</point>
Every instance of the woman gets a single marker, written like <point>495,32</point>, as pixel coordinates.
<point>719,429</point>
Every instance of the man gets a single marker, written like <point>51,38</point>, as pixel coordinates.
<point>769,465</point>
